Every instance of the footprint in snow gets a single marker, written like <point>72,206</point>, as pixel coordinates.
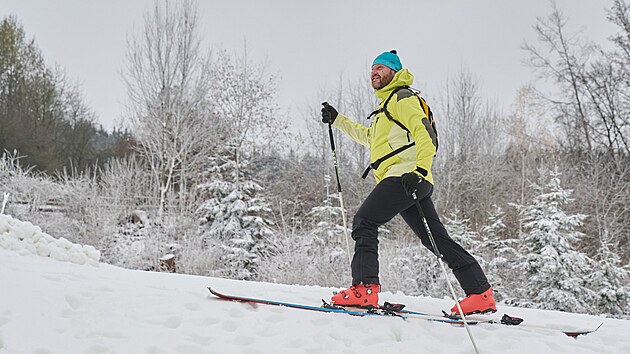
<point>173,322</point>
<point>207,321</point>
<point>192,306</point>
<point>274,318</point>
<point>107,335</point>
<point>42,351</point>
<point>237,313</point>
<point>104,288</point>
<point>244,340</point>
<point>229,326</point>
<point>74,302</point>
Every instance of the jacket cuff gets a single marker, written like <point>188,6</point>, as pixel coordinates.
<point>421,171</point>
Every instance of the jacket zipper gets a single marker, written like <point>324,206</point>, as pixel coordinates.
<point>374,130</point>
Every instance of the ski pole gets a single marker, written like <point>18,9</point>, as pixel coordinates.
<point>343,209</point>
<point>441,262</point>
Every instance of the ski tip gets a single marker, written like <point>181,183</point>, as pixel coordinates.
<point>576,334</point>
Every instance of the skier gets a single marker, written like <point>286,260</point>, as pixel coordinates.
<point>400,171</point>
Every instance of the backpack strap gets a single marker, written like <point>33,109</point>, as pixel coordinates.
<point>389,115</point>
<point>384,109</point>
<point>374,165</point>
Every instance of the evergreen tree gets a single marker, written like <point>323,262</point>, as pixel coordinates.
<point>501,254</point>
<point>607,280</point>
<point>233,215</point>
<point>409,268</point>
<point>495,226</point>
<point>459,229</point>
<point>327,238</point>
<point>555,272</point>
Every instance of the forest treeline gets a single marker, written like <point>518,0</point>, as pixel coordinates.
<point>43,115</point>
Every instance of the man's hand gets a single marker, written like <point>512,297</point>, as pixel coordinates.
<point>410,182</point>
<point>329,113</point>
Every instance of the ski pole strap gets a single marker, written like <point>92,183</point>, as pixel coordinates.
<point>374,165</point>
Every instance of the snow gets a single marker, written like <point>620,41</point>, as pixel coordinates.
<point>64,301</point>
<point>27,238</point>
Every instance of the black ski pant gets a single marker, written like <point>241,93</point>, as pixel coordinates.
<point>388,199</point>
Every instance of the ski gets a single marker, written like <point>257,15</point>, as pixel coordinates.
<point>398,310</point>
<point>327,308</point>
<point>292,305</point>
<point>483,318</point>
<point>479,318</point>
<point>513,321</point>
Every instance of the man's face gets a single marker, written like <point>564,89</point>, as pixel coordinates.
<point>381,76</point>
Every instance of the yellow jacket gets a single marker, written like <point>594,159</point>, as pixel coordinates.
<point>384,135</point>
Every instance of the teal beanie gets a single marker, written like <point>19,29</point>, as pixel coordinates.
<point>389,59</point>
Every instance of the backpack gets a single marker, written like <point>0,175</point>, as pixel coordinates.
<point>427,111</point>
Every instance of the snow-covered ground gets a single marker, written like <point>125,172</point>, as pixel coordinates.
<point>51,303</point>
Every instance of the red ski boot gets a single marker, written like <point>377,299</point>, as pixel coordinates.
<point>361,295</point>
<point>477,303</point>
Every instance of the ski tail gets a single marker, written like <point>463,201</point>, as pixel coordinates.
<point>575,334</point>
<point>513,321</point>
<point>250,300</point>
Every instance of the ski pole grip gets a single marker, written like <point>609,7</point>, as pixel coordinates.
<point>326,105</point>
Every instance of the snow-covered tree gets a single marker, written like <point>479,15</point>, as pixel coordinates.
<point>327,238</point>
<point>501,255</point>
<point>495,226</point>
<point>410,268</point>
<point>233,215</point>
<point>244,100</point>
<point>608,282</point>
<point>555,271</point>
<point>167,74</point>
<point>459,229</point>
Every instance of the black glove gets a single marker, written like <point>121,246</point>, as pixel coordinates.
<point>410,182</point>
<point>329,113</point>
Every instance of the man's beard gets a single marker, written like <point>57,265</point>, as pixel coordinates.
<point>384,81</point>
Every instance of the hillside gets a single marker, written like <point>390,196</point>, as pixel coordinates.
<point>57,305</point>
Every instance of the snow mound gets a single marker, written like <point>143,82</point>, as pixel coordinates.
<point>26,238</point>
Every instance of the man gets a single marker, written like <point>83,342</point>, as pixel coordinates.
<point>402,145</point>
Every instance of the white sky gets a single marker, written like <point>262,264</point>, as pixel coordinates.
<point>310,44</point>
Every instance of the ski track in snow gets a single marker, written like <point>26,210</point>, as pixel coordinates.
<point>48,305</point>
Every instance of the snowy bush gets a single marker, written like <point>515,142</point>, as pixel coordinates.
<point>142,243</point>
<point>31,191</point>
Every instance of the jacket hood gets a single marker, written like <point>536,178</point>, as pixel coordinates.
<point>402,78</point>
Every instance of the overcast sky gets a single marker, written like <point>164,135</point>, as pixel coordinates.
<point>310,44</point>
